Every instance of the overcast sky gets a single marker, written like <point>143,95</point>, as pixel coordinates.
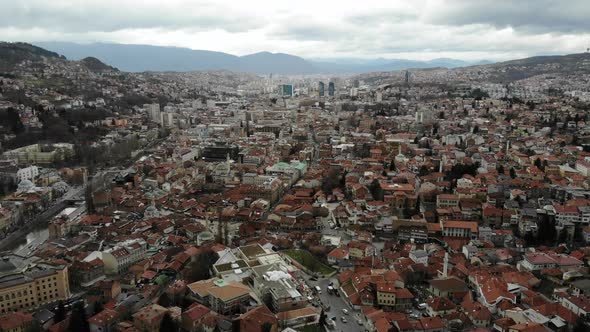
<point>414,29</point>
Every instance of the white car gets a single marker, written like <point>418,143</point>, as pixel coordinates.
<point>344,311</point>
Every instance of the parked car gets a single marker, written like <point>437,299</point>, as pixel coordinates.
<point>331,324</point>
<point>344,311</point>
<point>343,319</point>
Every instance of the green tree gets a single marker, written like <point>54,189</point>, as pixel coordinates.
<point>201,267</point>
<point>78,319</point>
<point>392,165</point>
<point>538,163</point>
<point>562,238</point>
<point>322,318</point>
<point>581,326</point>
<point>34,327</point>
<point>441,115</point>
<point>500,169</point>
<point>98,307</point>
<point>267,327</point>
<point>547,232</point>
<point>512,173</point>
<point>168,324</point>
<point>376,191</point>
<point>423,171</point>
<point>331,181</point>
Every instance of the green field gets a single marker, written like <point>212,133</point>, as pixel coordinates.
<point>306,259</point>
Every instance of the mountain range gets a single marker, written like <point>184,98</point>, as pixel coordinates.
<point>12,54</point>
<point>138,58</point>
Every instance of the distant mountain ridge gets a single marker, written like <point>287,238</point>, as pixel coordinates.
<point>138,58</point>
<point>13,53</point>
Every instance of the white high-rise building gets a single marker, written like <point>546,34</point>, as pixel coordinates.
<point>153,110</point>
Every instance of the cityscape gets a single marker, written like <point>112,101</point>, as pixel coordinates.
<point>150,187</point>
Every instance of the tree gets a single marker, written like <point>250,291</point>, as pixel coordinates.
<point>168,324</point>
<point>547,232</point>
<point>580,326</point>
<point>500,169</point>
<point>34,327</point>
<point>417,207</point>
<point>476,129</point>
<point>267,326</point>
<point>201,267</point>
<point>60,313</point>
<point>98,307</point>
<point>322,317</point>
<point>423,171</point>
<point>331,181</point>
<point>392,165</point>
<point>78,319</point>
<point>562,238</point>
<point>512,172</point>
<point>538,163</point>
<point>376,191</point>
<point>441,115</point>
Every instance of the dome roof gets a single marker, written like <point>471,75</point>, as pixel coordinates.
<point>205,235</point>
<point>25,185</point>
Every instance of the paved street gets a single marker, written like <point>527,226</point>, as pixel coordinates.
<point>336,305</point>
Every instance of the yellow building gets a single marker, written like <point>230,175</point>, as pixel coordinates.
<point>39,154</point>
<point>26,283</point>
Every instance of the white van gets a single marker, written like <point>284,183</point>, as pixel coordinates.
<point>318,289</point>
<point>422,306</point>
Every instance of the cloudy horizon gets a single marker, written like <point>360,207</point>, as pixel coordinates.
<point>420,30</point>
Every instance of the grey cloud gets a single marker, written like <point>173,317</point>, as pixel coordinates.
<point>527,16</point>
<point>310,31</point>
<point>388,17</point>
<point>81,16</point>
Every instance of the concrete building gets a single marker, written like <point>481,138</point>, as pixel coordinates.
<point>39,153</point>
<point>153,111</point>
<point>27,283</point>
<point>119,258</point>
<point>27,173</point>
